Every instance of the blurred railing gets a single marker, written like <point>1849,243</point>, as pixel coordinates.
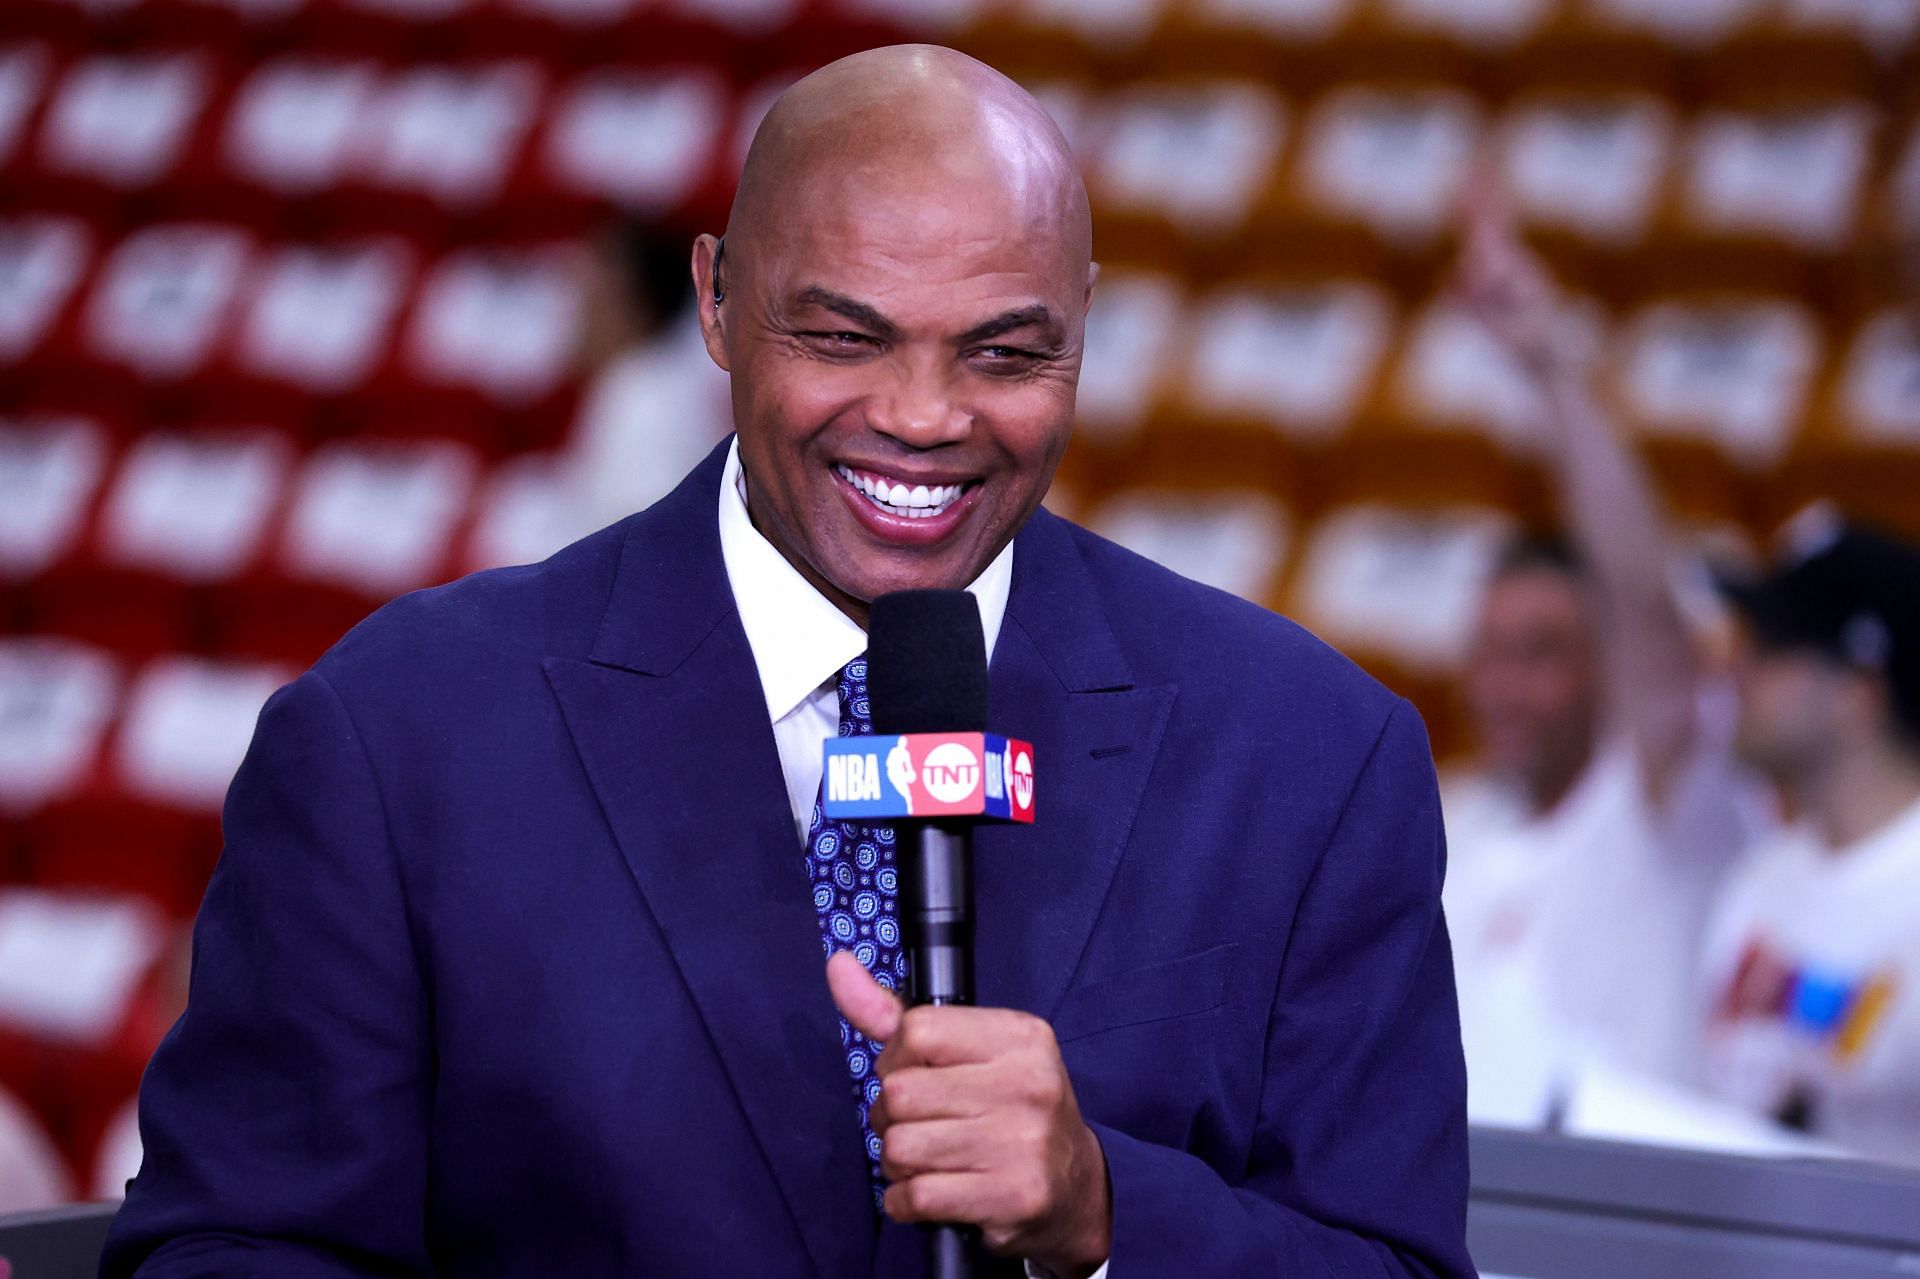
<point>1544,1206</point>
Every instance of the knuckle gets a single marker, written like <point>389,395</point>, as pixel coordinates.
<point>916,1027</point>
<point>892,1167</point>
<point>1037,1088</point>
<point>1031,1199</point>
<point>898,1095</point>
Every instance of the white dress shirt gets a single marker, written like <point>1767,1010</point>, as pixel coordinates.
<point>800,640</point>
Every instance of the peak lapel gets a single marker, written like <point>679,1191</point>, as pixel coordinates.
<point>673,733</point>
<point>1060,681</point>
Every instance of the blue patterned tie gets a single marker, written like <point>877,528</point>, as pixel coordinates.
<point>851,868</point>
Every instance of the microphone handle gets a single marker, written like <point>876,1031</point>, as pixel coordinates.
<point>936,918</point>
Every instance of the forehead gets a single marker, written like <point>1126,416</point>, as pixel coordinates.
<point>938,244</point>
<point>1536,596</point>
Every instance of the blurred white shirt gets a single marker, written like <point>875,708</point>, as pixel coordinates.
<point>648,418</point>
<point>1576,932</point>
<point>1813,973</point>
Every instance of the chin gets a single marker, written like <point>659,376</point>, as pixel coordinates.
<point>871,586</point>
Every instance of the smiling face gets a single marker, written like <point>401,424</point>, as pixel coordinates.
<point>904,340</point>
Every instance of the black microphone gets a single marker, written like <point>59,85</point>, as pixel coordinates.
<point>927,673</point>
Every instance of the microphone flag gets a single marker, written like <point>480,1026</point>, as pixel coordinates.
<point>923,775</point>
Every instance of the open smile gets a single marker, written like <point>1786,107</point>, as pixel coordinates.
<point>920,502</point>
<point>901,509</point>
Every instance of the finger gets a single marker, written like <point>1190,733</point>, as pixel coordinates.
<point>962,1198</point>
<point>1486,203</point>
<point>936,1145</point>
<point>951,1035</point>
<point>868,1006</point>
<point>936,1092</point>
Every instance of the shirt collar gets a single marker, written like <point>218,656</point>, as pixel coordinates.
<point>800,640</point>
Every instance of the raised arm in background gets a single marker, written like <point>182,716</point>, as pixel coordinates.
<point>1606,494</point>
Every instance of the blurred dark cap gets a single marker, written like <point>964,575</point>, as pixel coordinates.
<point>1847,593</point>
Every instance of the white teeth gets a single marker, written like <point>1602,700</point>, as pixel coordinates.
<point>917,503</point>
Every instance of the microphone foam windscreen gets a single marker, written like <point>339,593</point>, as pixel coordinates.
<point>927,663</point>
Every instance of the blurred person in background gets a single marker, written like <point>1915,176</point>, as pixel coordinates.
<point>655,404</point>
<point>1588,840</point>
<point>1813,957</point>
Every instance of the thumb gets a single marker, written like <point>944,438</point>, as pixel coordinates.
<point>869,1007</point>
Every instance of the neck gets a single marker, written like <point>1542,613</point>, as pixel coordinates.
<point>1860,793</point>
<point>1548,786</point>
<point>856,609</point>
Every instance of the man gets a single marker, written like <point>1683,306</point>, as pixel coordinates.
<point>513,965</point>
<point>1814,954</point>
<point>1588,844</point>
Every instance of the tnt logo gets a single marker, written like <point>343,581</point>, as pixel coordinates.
<point>950,773</point>
<point>1022,787</point>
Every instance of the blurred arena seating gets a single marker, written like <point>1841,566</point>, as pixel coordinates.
<point>289,293</point>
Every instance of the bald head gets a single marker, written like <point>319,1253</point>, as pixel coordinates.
<point>912,118</point>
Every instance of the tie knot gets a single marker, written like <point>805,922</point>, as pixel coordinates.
<point>856,713</point>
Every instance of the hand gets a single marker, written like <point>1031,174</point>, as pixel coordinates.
<point>1506,287</point>
<point>979,1126</point>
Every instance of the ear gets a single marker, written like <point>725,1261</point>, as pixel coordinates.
<point>706,251</point>
<point>1093,279</point>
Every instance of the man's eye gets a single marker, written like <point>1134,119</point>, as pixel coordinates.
<point>1006,356</point>
<point>841,339</point>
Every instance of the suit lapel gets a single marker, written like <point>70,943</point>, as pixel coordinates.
<point>1060,681</point>
<point>671,728</point>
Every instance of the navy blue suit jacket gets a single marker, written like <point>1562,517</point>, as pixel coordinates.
<point>510,967</point>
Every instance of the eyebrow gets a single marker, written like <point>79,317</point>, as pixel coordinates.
<point>860,313</point>
<point>1008,322</point>
<point>842,305</point>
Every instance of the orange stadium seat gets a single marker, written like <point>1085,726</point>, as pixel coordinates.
<point>1132,344</point>
<point>289,298</point>
<point>1397,582</point>
<point>1233,539</point>
<point>1298,358</point>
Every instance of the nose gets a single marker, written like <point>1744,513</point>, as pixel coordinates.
<point>919,408</point>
